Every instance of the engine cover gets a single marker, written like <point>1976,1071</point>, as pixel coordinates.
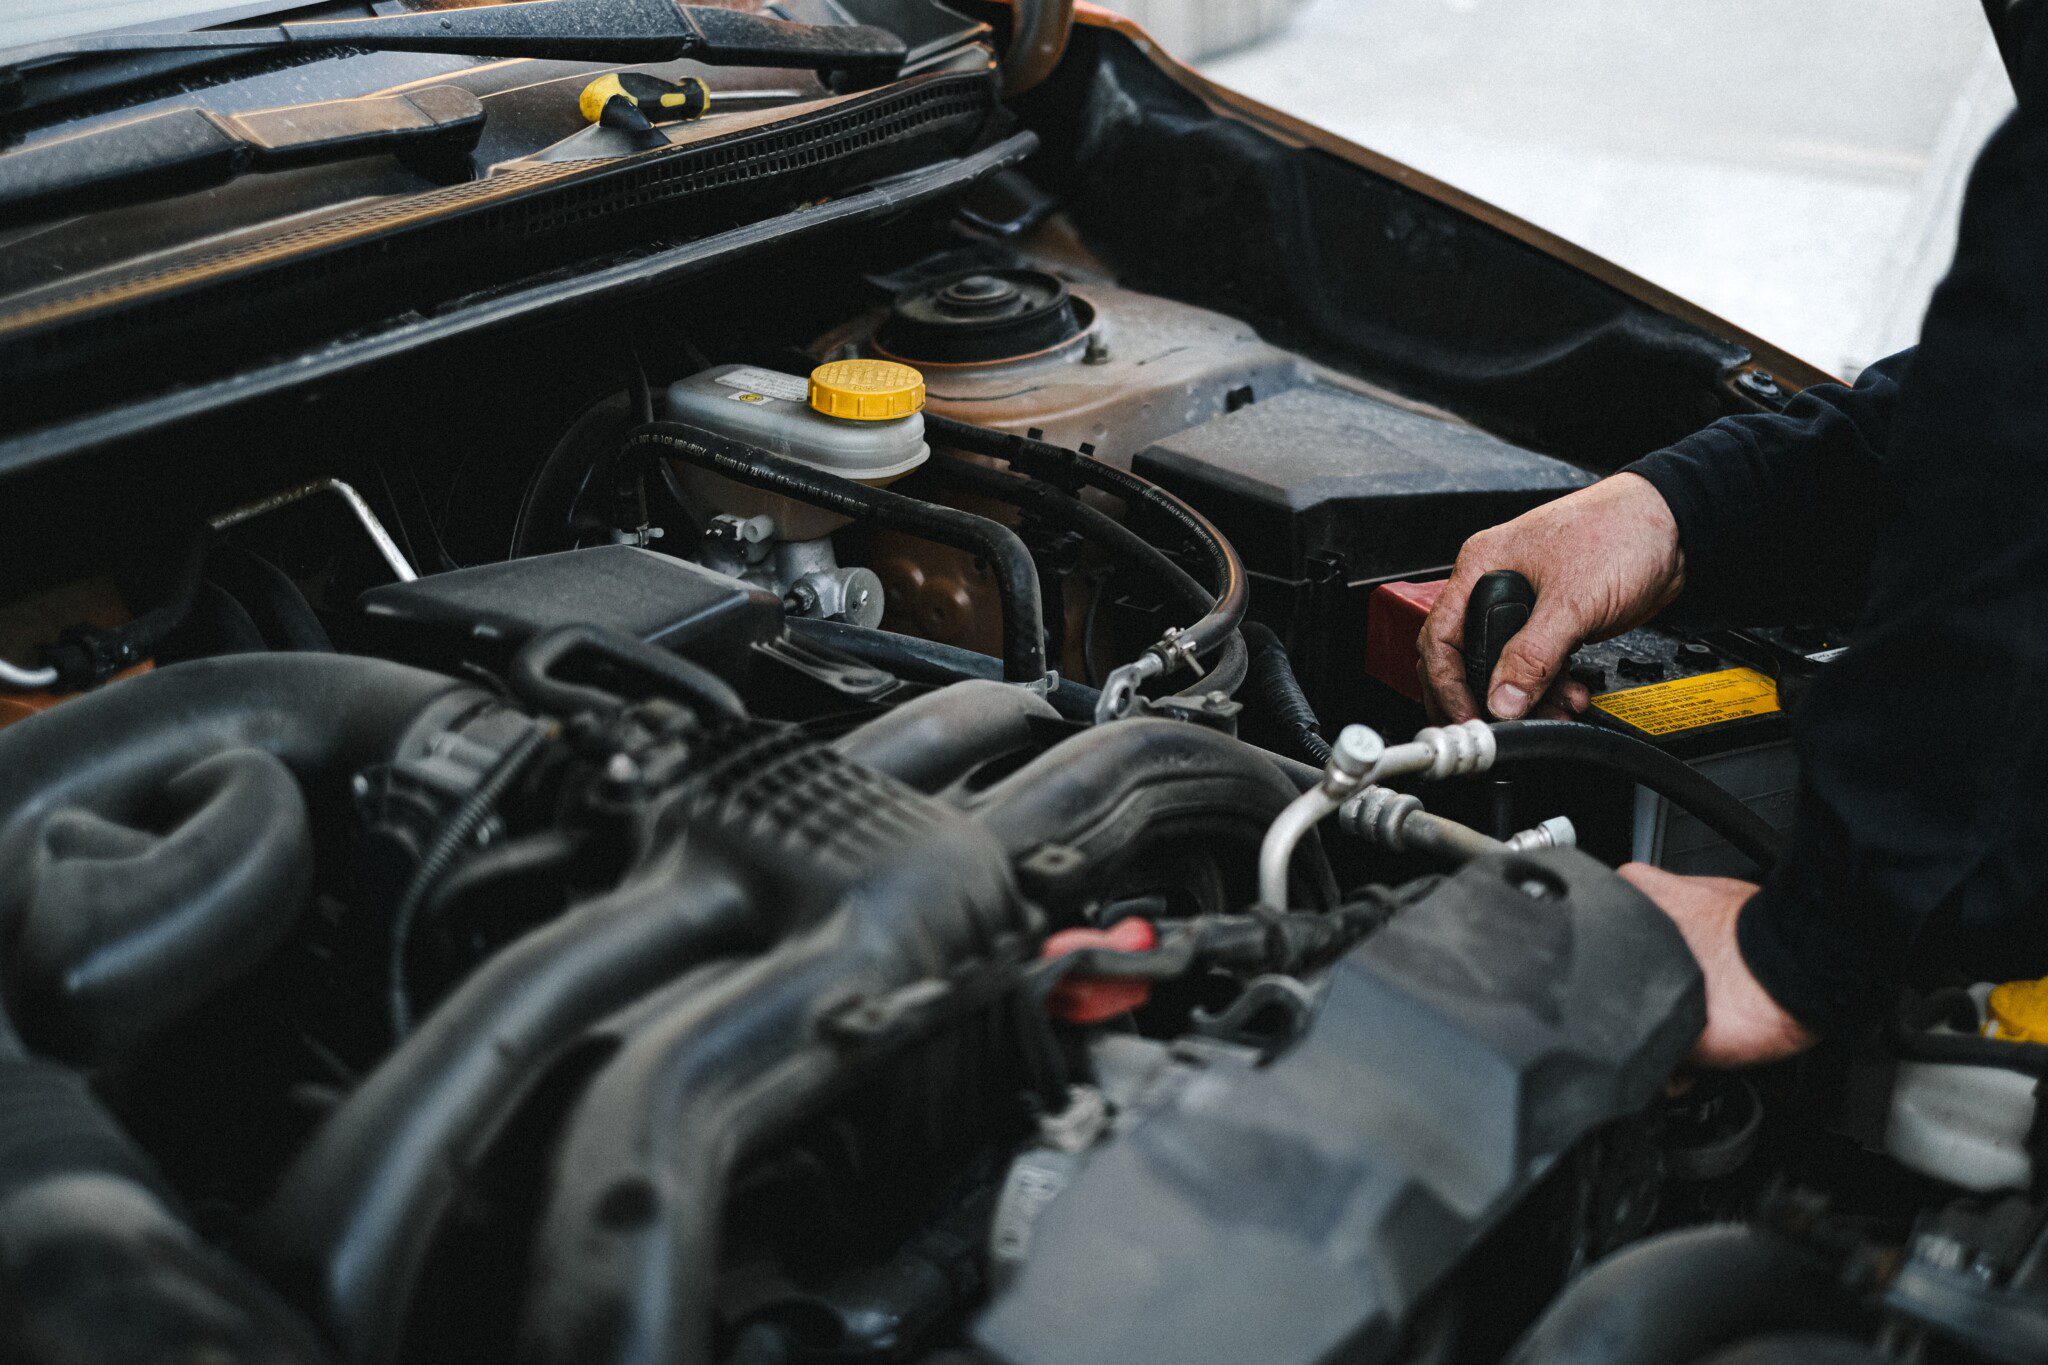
<point>1298,1211</point>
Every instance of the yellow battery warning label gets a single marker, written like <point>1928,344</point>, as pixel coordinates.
<point>1692,703</point>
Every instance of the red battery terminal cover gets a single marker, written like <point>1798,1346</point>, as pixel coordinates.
<point>1082,998</point>
<point>1393,620</point>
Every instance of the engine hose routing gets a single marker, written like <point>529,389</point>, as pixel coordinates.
<point>941,737</point>
<point>533,678</point>
<point>1042,459</point>
<point>86,655</point>
<point>1227,672</point>
<point>893,891</point>
<point>928,661</point>
<point>1565,741</point>
<point>1096,793</point>
<point>353,1216</point>
<point>1537,741</point>
<point>184,907</point>
<point>447,843</point>
<point>1016,574</point>
<point>1277,693</point>
<point>95,1261</point>
<point>1909,1034</point>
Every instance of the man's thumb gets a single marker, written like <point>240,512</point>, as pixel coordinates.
<point>1528,663</point>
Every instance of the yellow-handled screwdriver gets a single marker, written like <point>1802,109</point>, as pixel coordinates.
<point>634,102</point>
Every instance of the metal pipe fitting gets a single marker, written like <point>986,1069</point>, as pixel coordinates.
<point>1355,758</point>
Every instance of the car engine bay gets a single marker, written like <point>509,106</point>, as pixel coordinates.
<point>863,805</point>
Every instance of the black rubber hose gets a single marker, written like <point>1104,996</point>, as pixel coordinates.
<point>1533,741</point>
<point>1016,574</point>
<point>1040,458</point>
<point>95,1265</point>
<point>447,843</point>
<point>627,1255</point>
<point>126,925</point>
<point>86,655</point>
<point>184,907</point>
<point>1909,1034</point>
<point>525,859</point>
<point>1036,496</point>
<point>1098,791</point>
<point>626,1264</point>
<point>1681,1296</point>
<point>273,601</point>
<point>217,623</point>
<point>1068,511</point>
<point>928,661</point>
<point>351,1220</point>
<point>941,737</point>
<point>533,679</point>
<point>94,1262</point>
<point>1276,692</point>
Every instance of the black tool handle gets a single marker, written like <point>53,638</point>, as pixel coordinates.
<point>1501,604</point>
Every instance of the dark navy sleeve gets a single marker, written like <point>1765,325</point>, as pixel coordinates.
<point>1920,846</point>
<point>1778,512</point>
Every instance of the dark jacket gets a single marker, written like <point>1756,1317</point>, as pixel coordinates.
<point>1920,848</point>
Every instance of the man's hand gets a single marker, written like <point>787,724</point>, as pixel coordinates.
<point>1602,561</point>
<point>1745,1026</point>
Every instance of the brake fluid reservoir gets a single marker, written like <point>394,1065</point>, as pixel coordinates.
<point>1969,1125</point>
<point>858,419</point>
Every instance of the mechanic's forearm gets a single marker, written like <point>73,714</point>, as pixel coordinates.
<point>1778,512</point>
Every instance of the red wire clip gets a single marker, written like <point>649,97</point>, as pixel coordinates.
<point>1084,998</point>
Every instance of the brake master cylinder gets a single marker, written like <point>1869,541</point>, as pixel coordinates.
<point>858,419</point>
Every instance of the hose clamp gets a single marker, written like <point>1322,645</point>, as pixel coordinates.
<point>1176,652</point>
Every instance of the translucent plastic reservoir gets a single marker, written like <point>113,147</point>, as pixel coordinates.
<point>773,411</point>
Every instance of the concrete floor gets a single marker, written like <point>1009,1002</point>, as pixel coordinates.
<point>1795,167</point>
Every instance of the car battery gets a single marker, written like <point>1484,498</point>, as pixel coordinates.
<point>1718,700</point>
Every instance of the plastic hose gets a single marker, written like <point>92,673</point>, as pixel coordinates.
<point>928,661</point>
<point>1531,741</point>
<point>1040,458</point>
<point>1016,574</point>
<point>448,842</point>
<point>1273,688</point>
<point>1043,499</point>
<point>86,655</point>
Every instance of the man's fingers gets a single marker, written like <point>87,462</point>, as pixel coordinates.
<point>1431,707</point>
<point>1531,660</point>
<point>1566,700</point>
<point>1442,642</point>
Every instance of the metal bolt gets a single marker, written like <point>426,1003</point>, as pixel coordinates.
<point>1762,383</point>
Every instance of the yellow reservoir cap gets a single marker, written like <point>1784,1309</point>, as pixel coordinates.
<point>2018,1012</point>
<point>867,390</point>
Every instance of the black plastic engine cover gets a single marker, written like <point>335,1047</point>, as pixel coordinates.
<point>1323,471</point>
<point>485,612</point>
<point>1298,1211</point>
